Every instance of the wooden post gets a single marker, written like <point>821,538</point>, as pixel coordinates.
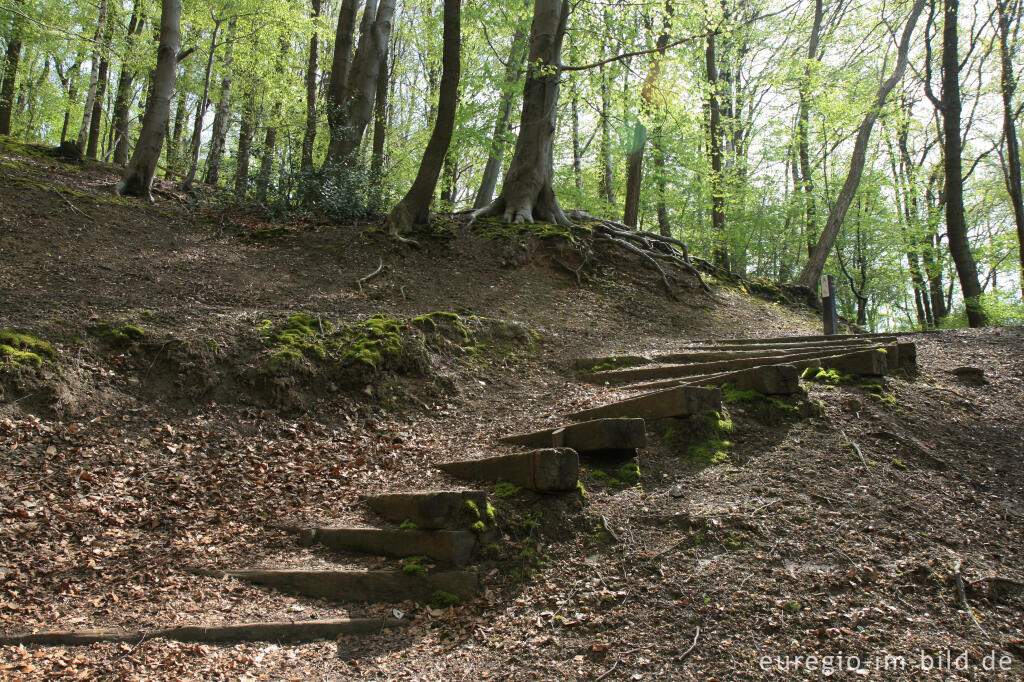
<point>829,318</point>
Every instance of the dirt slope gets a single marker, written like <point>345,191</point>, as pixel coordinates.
<point>128,461</point>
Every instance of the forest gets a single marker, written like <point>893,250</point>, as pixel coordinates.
<point>876,141</point>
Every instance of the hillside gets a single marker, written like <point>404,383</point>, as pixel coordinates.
<point>214,381</point>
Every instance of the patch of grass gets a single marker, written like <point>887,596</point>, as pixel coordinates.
<point>506,489</point>
<point>442,600</point>
<point>20,349</point>
<point>415,565</point>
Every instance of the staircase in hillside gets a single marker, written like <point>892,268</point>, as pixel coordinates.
<point>452,526</point>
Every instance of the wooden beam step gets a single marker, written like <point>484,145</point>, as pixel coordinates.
<point>545,471</point>
<point>590,436</point>
<point>430,509</point>
<point>361,586</point>
<point>681,401</point>
<point>450,546</point>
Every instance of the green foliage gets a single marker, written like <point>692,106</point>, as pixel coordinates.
<point>119,336</point>
<point>408,525</point>
<point>581,490</point>
<point>20,349</point>
<point>490,552</point>
<point>732,396</point>
<point>830,377</point>
<point>478,527</point>
<point>292,341</point>
<point>628,474</point>
<point>472,508</point>
<point>490,513</point>
<point>714,449</point>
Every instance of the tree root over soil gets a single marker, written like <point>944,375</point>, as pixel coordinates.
<point>653,249</point>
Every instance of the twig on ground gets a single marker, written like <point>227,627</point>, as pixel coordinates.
<point>856,449</point>
<point>361,280</point>
<point>694,644</point>
<point>73,207</point>
<point>962,594</point>
<point>608,672</point>
<point>607,529</point>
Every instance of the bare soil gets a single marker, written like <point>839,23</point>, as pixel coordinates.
<point>125,466</point>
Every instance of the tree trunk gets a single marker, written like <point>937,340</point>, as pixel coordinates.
<point>337,85</point>
<point>527,194</point>
<point>266,162</point>
<point>123,98</point>
<point>956,224</point>
<point>719,253</point>
<point>94,78</point>
<point>375,36</point>
<point>816,262</point>
<point>245,133</point>
<point>606,182</point>
<point>204,103</point>
<point>803,130</point>
<point>312,68</point>
<point>414,207</point>
<point>12,57</point>
<point>380,130</point>
<point>96,121</point>
<point>503,121</point>
<point>138,176</point>
<point>1008,85</point>
<point>634,174</point>
<point>577,150</point>
<point>664,226</point>
<point>222,118</point>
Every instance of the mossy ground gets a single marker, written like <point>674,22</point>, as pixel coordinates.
<point>702,439</point>
<point>21,349</point>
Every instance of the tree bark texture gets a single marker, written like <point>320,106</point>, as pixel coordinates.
<point>414,207</point>
<point>94,78</point>
<point>221,119</point>
<point>527,194</point>
<point>137,178</point>
<point>1008,86</point>
<point>312,69</point>
<point>123,95</point>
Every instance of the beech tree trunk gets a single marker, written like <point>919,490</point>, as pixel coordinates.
<point>137,178</point>
<point>719,254</point>
<point>123,97</point>
<point>96,122</point>
<point>337,85</point>
<point>664,226</point>
<point>811,273</point>
<point>527,194</point>
<point>803,130</point>
<point>577,149</point>
<point>956,224</point>
<point>266,162</point>
<point>246,131</point>
<point>361,84</point>
<point>606,182</point>
<point>1008,86</point>
<point>94,78</point>
<point>503,121</point>
<point>222,118</point>
<point>414,207</point>
<point>312,69</point>
<point>204,104</point>
<point>380,129</point>
<point>12,57</point>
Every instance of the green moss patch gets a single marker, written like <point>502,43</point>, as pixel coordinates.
<point>20,349</point>
<point>506,489</point>
<point>499,230</point>
<point>415,565</point>
<point>829,377</point>
<point>372,342</point>
<point>714,447</point>
<point>732,396</point>
<point>118,336</point>
<point>442,600</point>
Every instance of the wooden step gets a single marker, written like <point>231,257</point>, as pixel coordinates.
<point>586,364</point>
<point>766,379</point>
<point>544,471</point>
<point>598,435</point>
<point>431,509</point>
<point>450,546</point>
<point>362,586</point>
<point>622,376</point>
<point>766,351</point>
<point>681,401</point>
<point>273,631</point>
<point>798,339</point>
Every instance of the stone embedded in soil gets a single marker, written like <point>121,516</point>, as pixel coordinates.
<point>363,586</point>
<point>681,401</point>
<point>590,436</point>
<point>544,471</point>
<point>974,376</point>
<point>429,509</point>
<point>451,546</point>
<point>906,357</point>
